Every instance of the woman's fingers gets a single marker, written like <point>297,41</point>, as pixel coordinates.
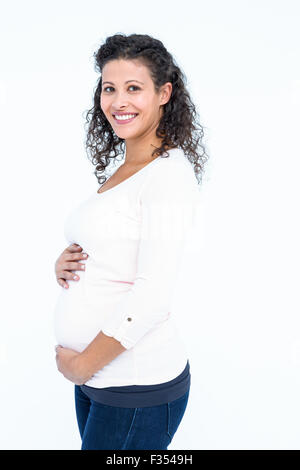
<point>62,283</point>
<point>69,266</point>
<point>72,262</point>
<point>68,275</point>
<point>74,248</point>
<point>68,262</point>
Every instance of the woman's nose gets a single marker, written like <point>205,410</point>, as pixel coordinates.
<point>119,101</point>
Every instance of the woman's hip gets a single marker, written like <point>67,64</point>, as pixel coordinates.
<point>117,428</point>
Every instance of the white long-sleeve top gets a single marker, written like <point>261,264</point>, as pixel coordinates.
<point>134,234</point>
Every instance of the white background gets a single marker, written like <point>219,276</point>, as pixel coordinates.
<point>241,60</point>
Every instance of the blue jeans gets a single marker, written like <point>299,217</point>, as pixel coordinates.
<point>104,427</point>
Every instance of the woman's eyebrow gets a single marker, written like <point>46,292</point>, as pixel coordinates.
<point>125,82</point>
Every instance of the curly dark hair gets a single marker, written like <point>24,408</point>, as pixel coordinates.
<point>177,126</point>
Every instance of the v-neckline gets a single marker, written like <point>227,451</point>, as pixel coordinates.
<point>129,177</point>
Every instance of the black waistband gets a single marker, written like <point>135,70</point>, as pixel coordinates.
<point>141,395</point>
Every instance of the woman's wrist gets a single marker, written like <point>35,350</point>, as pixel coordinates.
<point>81,369</point>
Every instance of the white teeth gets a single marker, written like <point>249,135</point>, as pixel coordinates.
<point>124,117</point>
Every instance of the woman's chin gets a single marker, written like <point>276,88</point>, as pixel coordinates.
<point>123,134</point>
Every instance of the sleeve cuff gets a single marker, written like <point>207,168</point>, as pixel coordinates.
<point>130,329</point>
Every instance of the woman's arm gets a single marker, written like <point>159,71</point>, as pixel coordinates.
<point>80,367</point>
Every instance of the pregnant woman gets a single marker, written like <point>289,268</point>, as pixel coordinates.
<point>117,338</point>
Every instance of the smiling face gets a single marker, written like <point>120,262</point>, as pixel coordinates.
<point>127,88</point>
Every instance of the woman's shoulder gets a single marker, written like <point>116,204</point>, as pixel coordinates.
<point>175,163</point>
<point>176,169</point>
<point>173,175</point>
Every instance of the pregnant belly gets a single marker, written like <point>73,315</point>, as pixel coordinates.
<point>76,322</point>
<point>81,310</point>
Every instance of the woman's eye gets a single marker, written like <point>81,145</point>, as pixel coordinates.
<point>131,86</point>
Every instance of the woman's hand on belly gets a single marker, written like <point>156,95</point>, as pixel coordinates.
<point>68,262</point>
<point>68,364</point>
